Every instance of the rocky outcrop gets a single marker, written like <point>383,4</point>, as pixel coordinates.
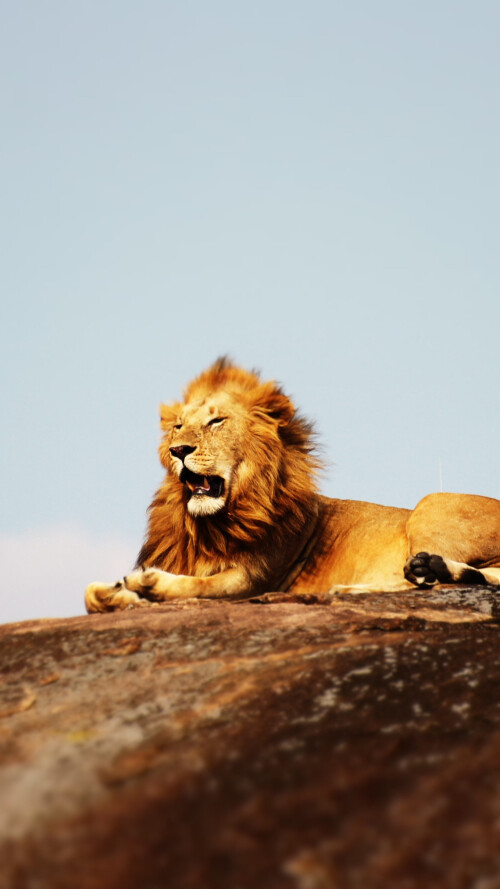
<point>305,743</point>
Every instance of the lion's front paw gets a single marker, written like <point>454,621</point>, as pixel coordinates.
<point>151,583</point>
<point>425,570</point>
<point>101,597</point>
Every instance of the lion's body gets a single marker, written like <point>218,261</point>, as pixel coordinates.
<point>239,512</point>
<point>367,545</point>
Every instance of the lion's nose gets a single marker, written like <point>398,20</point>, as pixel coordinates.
<point>182,451</point>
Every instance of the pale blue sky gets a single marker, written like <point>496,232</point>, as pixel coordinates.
<point>312,188</point>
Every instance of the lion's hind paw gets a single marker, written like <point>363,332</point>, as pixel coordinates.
<point>425,570</point>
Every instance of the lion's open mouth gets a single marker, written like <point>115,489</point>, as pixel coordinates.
<point>206,485</point>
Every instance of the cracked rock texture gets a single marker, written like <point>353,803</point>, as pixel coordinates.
<point>280,743</point>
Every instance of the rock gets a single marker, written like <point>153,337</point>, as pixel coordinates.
<point>279,743</point>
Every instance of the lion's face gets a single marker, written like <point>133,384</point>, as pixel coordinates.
<point>204,447</point>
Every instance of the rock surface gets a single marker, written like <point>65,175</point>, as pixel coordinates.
<point>320,742</point>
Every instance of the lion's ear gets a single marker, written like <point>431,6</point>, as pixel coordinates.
<point>269,399</point>
<point>168,415</point>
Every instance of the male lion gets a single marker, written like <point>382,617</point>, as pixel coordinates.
<point>239,513</point>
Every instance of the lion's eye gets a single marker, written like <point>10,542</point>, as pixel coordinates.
<point>178,426</point>
<point>216,421</point>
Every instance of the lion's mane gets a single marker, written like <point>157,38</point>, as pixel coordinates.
<point>263,519</point>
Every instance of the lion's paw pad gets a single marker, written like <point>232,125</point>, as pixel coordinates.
<point>425,570</point>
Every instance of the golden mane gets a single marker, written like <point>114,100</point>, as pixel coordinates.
<point>275,507</point>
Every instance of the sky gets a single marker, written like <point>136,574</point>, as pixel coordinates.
<point>312,188</point>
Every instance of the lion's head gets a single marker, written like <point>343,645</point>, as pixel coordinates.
<point>204,447</point>
<point>239,462</point>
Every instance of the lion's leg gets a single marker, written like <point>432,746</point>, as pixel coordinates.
<point>426,569</point>
<point>454,538</point>
<point>111,597</point>
<point>492,575</point>
<point>161,586</point>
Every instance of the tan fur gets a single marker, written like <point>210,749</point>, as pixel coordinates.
<point>263,525</point>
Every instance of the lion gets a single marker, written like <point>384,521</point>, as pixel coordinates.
<point>239,512</point>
